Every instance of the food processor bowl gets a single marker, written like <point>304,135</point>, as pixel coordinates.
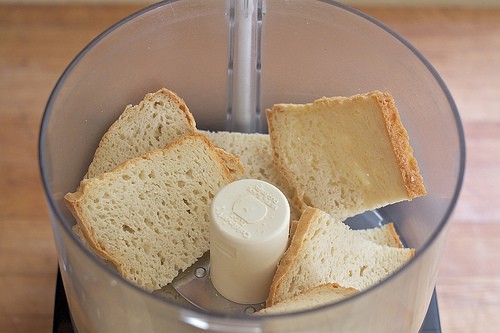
<point>307,49</point>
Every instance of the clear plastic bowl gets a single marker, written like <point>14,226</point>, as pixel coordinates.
<point>310,49</point>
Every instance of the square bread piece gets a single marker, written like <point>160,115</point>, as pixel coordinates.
<point>149,217</point>
<point>345,155</point>
<point>325,250</point>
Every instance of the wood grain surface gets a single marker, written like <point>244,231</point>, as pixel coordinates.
<point>38,42</point>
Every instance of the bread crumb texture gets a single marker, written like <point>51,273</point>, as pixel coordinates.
<point>150,216</point>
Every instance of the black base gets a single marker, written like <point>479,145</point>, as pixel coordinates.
<point>63,324</point>
<point>431,323</point>
<point>62,318</point>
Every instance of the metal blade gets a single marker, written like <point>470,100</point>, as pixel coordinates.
<point>195,286</point>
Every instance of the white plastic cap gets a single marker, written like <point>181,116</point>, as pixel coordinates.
<point>248,235</point>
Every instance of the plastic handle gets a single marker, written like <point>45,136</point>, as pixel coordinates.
<point>245,22</point>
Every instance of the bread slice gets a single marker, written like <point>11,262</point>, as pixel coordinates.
<point>332,292</point>
<point>158,120</point>
<point>254,153</point>
<point>384,235</point>
<point>345,155</point>
<point>149,217</point>
<point>325,250</point>
<point>327,293</point>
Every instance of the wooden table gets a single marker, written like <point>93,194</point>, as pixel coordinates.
<point>37,42</point>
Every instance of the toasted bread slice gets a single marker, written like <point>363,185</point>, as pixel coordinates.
<point>345,155</point>
<point>325,250</point>
<point>158,120</point>
<point>149,217</point>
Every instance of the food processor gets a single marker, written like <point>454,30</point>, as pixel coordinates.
<point>230,60</point>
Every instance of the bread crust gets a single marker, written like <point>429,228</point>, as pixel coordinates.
<point>290,254</point>
<point>129,112</point>
<point>73,203</point>
<point>395,236</point>
<point>408,165</point>
<point>326,288</point>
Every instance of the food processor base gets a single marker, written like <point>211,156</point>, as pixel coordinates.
<point>63,324</point>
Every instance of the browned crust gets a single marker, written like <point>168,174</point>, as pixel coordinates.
<point>293,228</point>
<point>235,162</point>
<point>232,162</point>
<point>398,135</point>
<point>346,291</point>
<point>73,200</point>
<point>151,97</point>
<point>330,285</point>
<point>182,105</point>
<point>291,231</point>
<point>395,235</point>
<point>291,253</point>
